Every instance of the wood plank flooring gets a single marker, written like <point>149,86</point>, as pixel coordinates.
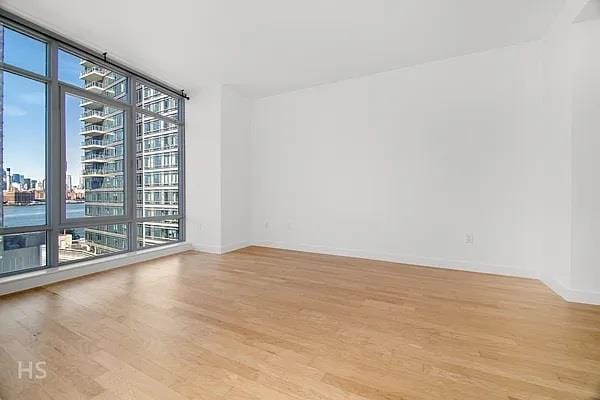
<point>271,324</point>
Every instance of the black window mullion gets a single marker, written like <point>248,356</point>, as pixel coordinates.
<point>53,162</point>
<point>181,178</point>
<point>131,164</point>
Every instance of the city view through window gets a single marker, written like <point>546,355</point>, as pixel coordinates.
<point>95,163</point>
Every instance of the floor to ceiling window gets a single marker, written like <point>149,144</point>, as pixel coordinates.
<point>91,155</point>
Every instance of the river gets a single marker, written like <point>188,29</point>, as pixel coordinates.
<point>36,215</point>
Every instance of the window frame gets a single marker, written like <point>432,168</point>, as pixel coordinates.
<point>56,92</point>
<point>68,90</point>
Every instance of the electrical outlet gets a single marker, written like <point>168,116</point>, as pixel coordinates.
<point>469,238</point>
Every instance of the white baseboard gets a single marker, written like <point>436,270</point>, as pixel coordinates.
<point>220,249</point>
<point>207,248</point>
<point>459,265</point>
<point>29,280</point>
<point>234,246</point>
<point>569,294</point>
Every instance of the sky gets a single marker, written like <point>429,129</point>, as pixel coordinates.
<point>25,108</point>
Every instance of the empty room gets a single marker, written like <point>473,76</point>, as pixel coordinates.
<point>300,200</point>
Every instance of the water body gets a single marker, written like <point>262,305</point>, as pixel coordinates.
<point>36,215</point>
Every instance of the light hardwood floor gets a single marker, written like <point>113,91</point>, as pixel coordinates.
<point>271,324</point>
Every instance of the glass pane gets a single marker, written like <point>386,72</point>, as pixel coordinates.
<point>23,155</point>
<point>22,51</point>
<point>95,78</point>
<point>156,101</point>
<point>95,158</point>
<point>157,232</point>
<point>92,241</point>
<point>22,251</point>
<point>157,167</point>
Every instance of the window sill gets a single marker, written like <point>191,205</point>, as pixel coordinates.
<point>29,280</point>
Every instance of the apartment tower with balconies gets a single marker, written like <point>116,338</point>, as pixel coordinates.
<point>102,161</point>
<point>157,160</point>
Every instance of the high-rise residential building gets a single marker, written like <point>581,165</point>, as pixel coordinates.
<point>157,167</point>
<point>157,161</point>
<point>69,183</point>
<point>102,132</point>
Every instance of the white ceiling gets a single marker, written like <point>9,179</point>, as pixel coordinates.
<point>270,46</point>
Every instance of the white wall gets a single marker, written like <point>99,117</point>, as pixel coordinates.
<point>586,158</point>
<point>217,169</point>
<point>571,222</point>
<point>235,170</point>
<point>203,168</point>
<point>402,165</point>
<point>554,156</point>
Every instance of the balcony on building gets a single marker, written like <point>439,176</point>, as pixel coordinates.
<point>86,63</point>
<point>93,73</point>
<point>93,116</point>
<point>90,172</point>
<point>93,144</point>
<point>94,158</point>
<point>93,130</point>
<point>95,87</point>
<point>91,104</point>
